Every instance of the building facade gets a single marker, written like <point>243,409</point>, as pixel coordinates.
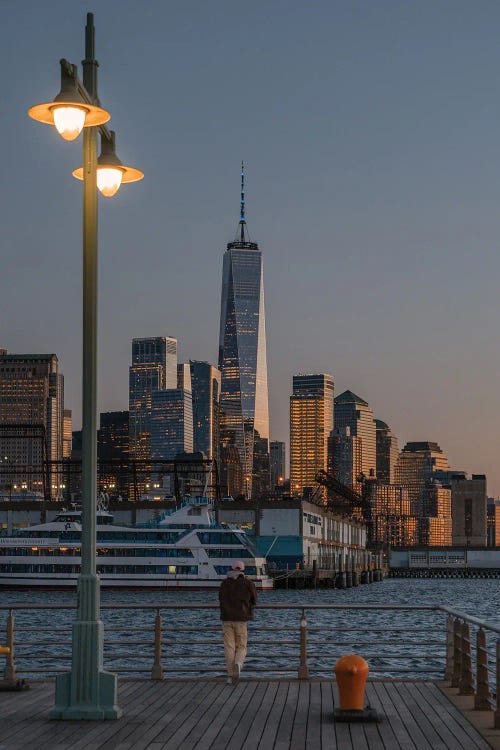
<point>154,368</point>
<point>31,422</point>
<point>469,511</point>
<point>67,432</point>
<point>277,454</point>
<point>416,467</point>
<point>206,384</point>
<point>311,422</point>
<point>387,453</point>
<point>353,412</point>
<point>242,350</point>
<point>346,457</point>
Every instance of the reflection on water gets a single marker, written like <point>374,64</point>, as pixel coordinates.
<point>377,635</point>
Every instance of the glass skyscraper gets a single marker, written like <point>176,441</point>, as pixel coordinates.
<point>205,381</point>
<point>242,356</point>
<point>154,368</point>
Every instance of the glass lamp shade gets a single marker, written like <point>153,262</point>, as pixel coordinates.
<point>69,121</point>
<point>109,180</point>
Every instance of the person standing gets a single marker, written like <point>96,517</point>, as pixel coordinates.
<point>237,598</point>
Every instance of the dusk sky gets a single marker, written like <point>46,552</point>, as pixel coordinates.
<point>371,135</point>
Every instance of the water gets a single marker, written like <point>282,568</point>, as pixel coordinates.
<point>374,634</point>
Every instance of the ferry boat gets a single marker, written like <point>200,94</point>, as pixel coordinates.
<point>184,548</point>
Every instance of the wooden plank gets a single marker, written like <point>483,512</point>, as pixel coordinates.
<point>203,722</point>
<point>244,693</point>
<point>406,716</point>
<point>254,737</point>
<point>285,728</point>
<point>358,737</point>
<point>247,720</point>
<point>425,723</point>
<point>189,718</point>
<point>383,730</point>
<point>439,697</point>
<point>342,733</point>
<point>405,741</point>
<point>313,734</point>
<point>328,737</point>
<point>218,720</point>
<point>53,739</point>
<point>450,730</point>
<point>274,717</point>
<point>162,713</point>
<point>299,728</point>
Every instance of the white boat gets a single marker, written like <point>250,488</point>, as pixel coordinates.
<point>184,548</point>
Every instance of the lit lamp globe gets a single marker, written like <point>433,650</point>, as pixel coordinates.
<point>69,112</point>
<point>111,172</point>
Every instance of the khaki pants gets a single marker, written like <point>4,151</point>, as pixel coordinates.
<point>235,644</point>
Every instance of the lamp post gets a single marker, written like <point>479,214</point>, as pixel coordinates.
<point>87,691</point>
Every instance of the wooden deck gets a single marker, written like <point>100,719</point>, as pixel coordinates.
<point>273,715</point>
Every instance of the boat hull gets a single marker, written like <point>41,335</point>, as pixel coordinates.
<point>112,582</point>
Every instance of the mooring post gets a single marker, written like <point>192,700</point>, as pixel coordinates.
<point>303,668</point>
<point>157,670</point>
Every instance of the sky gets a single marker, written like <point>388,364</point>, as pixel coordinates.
<point>371,138</point>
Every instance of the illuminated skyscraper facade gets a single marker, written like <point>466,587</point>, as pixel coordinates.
<point>242,354</point>
<point>31,398</point>
<point>353,412</point>
<point>311,422</point>
<point>205,382</point>
<point>154,368</point>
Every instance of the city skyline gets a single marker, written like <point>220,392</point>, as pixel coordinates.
<point>376,205</point>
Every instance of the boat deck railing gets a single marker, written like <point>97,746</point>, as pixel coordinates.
<point>285,640</point>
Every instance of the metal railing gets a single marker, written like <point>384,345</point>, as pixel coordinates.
<point>157,641</point>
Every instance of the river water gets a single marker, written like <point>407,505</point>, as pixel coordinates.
<point>390,640</point>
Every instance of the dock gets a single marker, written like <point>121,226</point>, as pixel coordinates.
<point>254,715</point>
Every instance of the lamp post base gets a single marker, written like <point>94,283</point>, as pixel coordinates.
<point>87,692</point>
<point>102,706</point>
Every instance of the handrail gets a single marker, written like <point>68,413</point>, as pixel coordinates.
<point>164,645</point>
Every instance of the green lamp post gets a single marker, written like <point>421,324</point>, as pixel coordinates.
<point>87,691</point>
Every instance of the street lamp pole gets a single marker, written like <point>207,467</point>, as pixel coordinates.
<point>87,691</point>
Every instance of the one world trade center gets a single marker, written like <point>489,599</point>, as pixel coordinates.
<point>242,359</point>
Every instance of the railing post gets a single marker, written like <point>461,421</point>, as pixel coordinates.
<point>157,670</point>
<point>466,683</point>
<point>9,674</point>
<point>482,701</point>
<point>457,653</point>
<point>448,673</point>
<point>497,707</point>
<point>303,668</point>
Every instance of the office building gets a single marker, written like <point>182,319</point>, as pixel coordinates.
<point>311,422</point>
<point>278,463</point>
<point>31,421</point>
<point>154,368</point>
<point>171,424</point>
<point>434,516</point>
<point>387,453</point>
<point>205,385</point>
<point>242,349</point>
<point>353,412</point>
<point>346,457</point>
<point>416,466</point>
<point>493,522</point>
<point>469,511</point>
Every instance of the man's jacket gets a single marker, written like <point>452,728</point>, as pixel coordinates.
<point>237,597</point>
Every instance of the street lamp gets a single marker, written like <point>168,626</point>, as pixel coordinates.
<point>87,692</point>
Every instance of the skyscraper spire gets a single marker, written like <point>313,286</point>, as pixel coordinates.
<point>242,205</point>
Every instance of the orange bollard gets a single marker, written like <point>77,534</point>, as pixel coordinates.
<point>352,672</point>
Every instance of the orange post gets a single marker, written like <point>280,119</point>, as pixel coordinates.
<point>351,672</point>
